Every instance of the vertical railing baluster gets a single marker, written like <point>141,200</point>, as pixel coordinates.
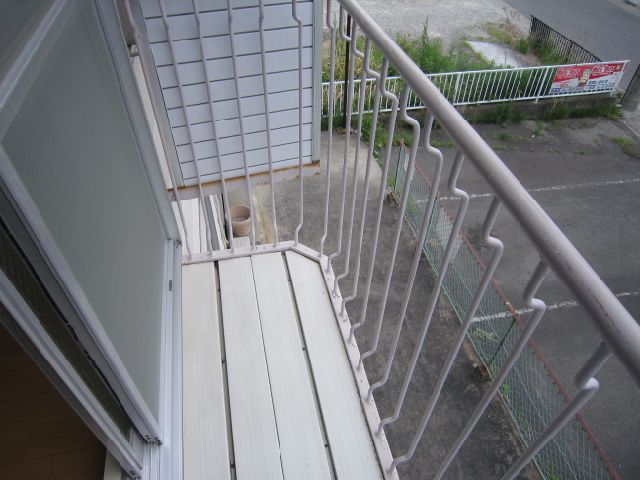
<point>469,89</point>
<point>501,84</point>
<point>167,27</point>
<point>455,171</point>
<point>347,139</point>
<point>424,229</point>
<point>525,92</point>
<point>294,14</point>
<point>508,83</point>
<point>382,87</point>
<point>481,83</point>
<point>484,97</point>
<point>496,245</point>
<point>223,183</point>
<point>354,182</point>
<point>470,86</point>
<point>450,87</point>
<point>587,387</point>
<point>539,308</point>
<point>516,85</point>
<point>515,80</point>
<point>542,82</point>
<point>367,174</point>
<point>331,105</point>
<point>494,86</point>
<point>243,144</point>
<point>267,120</point>
<point>454,101</point>
<point>415,125</point>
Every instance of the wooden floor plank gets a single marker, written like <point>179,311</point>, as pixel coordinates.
<point>297,418</point>
<point>255,438</point>
<point>205,442</point>
<point>351,447</point>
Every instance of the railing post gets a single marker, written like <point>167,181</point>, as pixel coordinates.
<point>347,59</point>
<point>631,99</point>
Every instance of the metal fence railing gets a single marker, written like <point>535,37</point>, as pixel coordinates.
<point>573,453</point>
<point>477,87</point>
<point>542,36</point>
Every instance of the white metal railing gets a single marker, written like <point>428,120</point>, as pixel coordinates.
<point>472,87</point>
<point>619,332</point>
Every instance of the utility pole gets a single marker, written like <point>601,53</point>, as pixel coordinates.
<point>347,59</point>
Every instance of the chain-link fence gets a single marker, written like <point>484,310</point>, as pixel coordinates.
<point>531,392</point>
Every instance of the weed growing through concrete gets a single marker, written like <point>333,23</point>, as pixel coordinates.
<point>538,129</point>
<point>628,146</point>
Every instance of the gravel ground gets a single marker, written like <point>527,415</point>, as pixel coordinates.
<point>450,20</point>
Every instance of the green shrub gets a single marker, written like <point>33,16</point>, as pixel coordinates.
<point>546,53</point>
<point>428,53</point>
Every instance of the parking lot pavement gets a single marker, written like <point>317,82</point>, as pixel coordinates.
<point>591,189</point>
<point>408,17</point>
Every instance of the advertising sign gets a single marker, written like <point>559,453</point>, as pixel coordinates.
<point>586,78</point>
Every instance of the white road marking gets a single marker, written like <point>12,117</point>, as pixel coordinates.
<point>553,306</point>
<point>559,188</point>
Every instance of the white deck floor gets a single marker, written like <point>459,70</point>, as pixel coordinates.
<point>267,387</point>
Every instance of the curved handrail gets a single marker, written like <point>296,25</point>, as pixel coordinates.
<point>614,322</point>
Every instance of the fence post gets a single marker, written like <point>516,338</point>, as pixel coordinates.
<point>631,99</point>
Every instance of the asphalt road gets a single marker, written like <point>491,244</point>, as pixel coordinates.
<point>592,191</point>
<point>610,29</point>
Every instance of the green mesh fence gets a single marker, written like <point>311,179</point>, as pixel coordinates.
<point>531,394</point>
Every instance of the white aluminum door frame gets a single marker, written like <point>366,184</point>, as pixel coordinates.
<point>161,458</point>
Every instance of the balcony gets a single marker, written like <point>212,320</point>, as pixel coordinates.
<point>320,344</point>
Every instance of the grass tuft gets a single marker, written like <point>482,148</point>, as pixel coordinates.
<point>628,146</point>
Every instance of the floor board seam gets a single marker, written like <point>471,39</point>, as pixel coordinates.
<point>312,377</point>
<point>225,374</point>
<point>266,361</point>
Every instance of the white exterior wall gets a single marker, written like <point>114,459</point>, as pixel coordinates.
<point>281,52</point>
